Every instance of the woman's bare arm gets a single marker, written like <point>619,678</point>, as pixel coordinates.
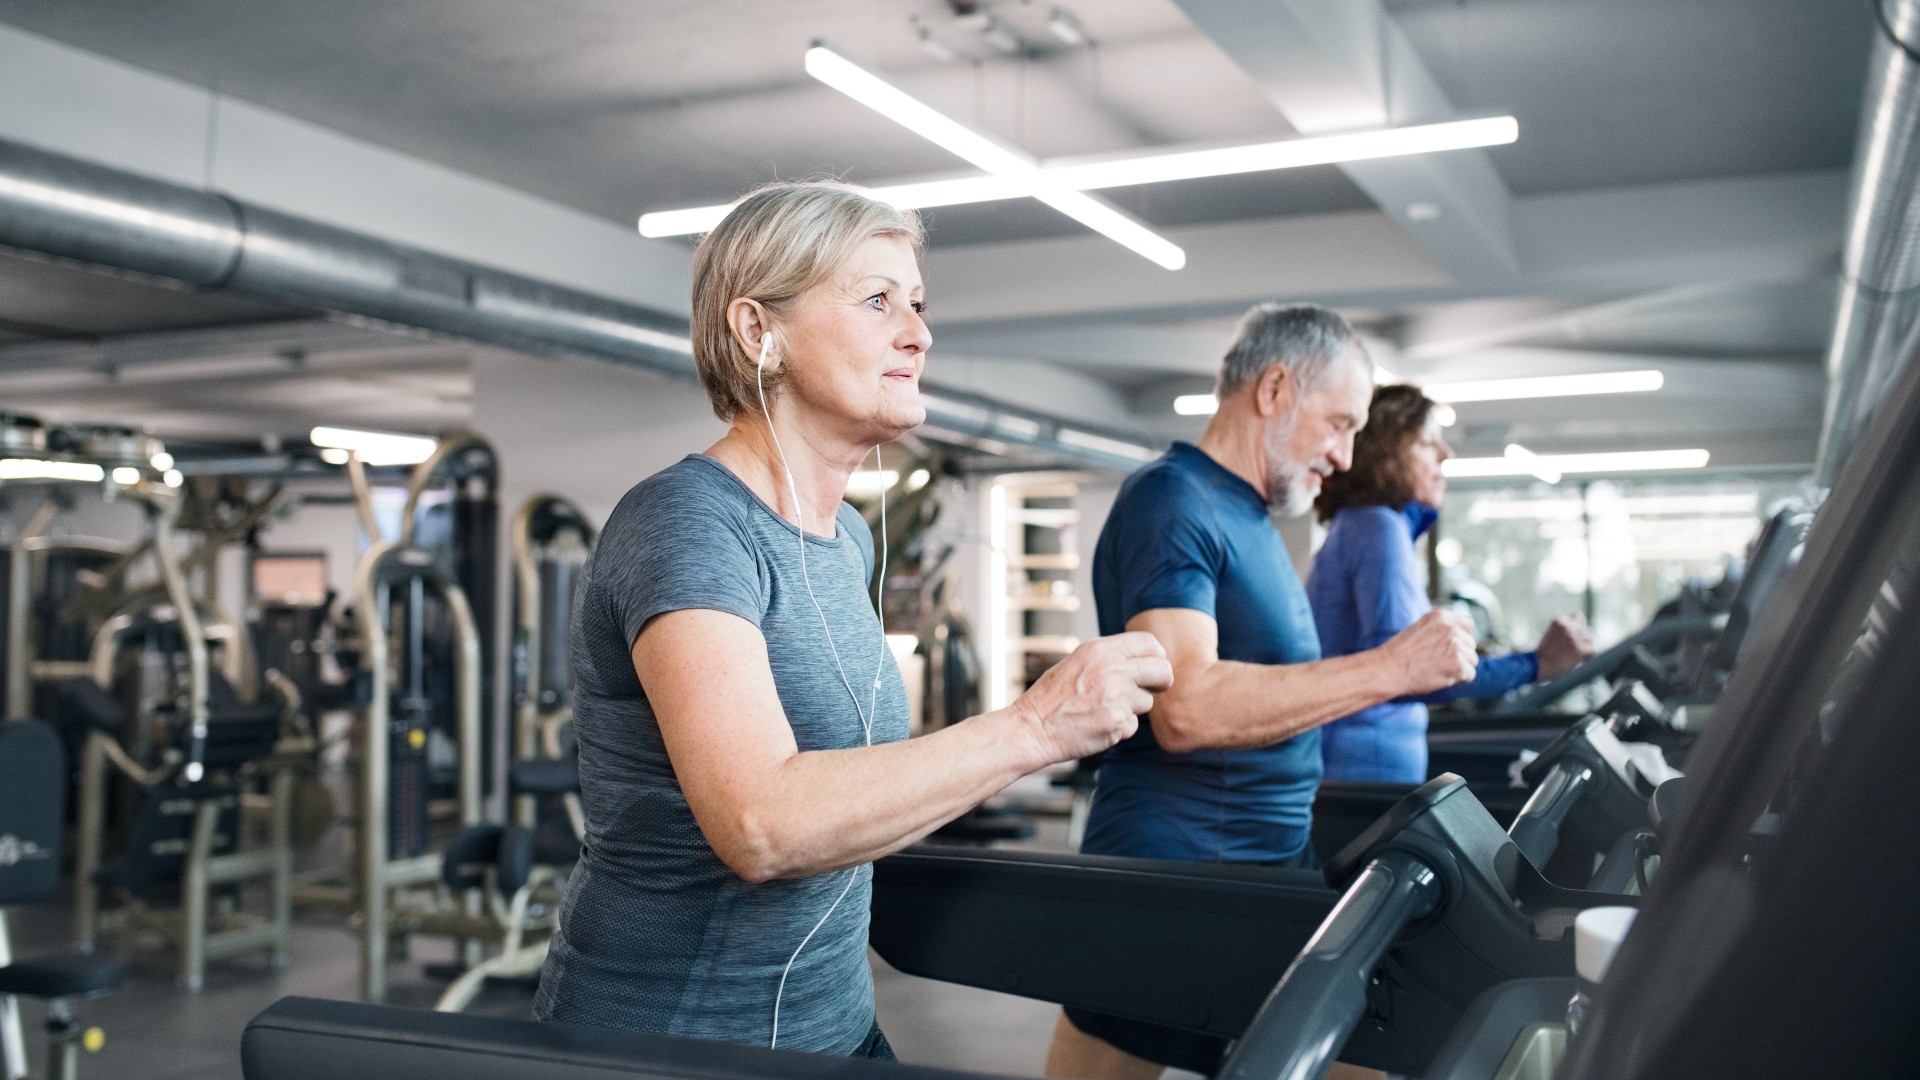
<point>771,811</point>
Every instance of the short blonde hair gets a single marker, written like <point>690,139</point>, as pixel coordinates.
<point>780,241</point>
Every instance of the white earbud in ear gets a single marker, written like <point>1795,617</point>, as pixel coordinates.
<point>766,347</point>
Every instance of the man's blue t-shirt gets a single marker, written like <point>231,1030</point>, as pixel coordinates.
<point>1187,533</point>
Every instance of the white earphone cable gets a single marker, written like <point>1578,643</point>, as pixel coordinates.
<point>866,715</point>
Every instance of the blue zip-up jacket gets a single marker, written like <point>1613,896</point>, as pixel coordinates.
<point>1365,587</point>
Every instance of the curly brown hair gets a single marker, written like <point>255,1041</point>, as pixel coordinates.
<point>1378,477</point>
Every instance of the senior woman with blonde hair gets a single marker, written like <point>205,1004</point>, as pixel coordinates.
<point>742,726</point>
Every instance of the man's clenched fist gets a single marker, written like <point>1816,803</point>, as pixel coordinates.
<point>1434,653</point>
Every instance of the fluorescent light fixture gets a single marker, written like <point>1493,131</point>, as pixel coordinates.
<point>1088,441</point>
<point>162,461</point>
<point>1737,506</point>
<point>1532,463</point>
<point>126,476</point>
<point>1295,153</point>
<point>1196,404</point>
<point>869,482</point>
<point>376,447</point>
<point>173,478</point>
<point>1546,386</point>
<point>1618,462</point>
<point>1063,25</point>
<point>38,469</point>
<point>333,455</point>
<point>1153,168</point>
<point>956,138</point>
<point>694,219</point>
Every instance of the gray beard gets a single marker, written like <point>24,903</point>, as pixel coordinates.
<point>1286,493</point>
<point>1288,496</point>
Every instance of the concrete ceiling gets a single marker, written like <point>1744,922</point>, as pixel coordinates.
<point>617,107</point>
<point>1676,196</point>
<point>1617,92</point>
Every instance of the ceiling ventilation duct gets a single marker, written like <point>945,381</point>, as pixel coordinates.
<point>73,209</point>
<point>1877,329</point>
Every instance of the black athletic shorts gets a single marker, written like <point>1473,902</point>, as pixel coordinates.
<point>875,1045</point>
<point>1171,1046</point>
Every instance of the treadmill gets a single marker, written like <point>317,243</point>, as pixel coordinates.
<point>1778,938</point>
<point>1643,698</point>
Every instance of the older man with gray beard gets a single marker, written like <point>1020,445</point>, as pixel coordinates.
<point>1225,768</point>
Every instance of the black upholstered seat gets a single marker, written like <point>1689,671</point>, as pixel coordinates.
<point>549,777</point>
<point>65,975</point>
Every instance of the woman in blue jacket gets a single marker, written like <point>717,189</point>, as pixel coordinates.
<point>1366,587</point>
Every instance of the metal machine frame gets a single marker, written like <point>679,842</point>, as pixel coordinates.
<point>538,524</point>
<point>205,870</point>
<point>378,875</point>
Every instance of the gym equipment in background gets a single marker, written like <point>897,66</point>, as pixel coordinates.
<point>552,540</point>
<point>185,763</point>
<point>518,869</point>
<point>394,863</point>
<point>32,818</point>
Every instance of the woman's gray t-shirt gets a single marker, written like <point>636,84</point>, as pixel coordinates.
<point>656,933</point>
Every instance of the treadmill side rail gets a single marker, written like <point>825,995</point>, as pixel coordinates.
<point>1191,945</point>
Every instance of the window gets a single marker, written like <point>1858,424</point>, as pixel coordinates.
<point>1613,550</point>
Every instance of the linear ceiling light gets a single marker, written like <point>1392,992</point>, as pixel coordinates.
<point>1622,461</point>
<point>1741,507</point>
<point>1546,386</point>
<point>956,138</point>
<point>1532,463</point>
<point>376,447</point>
<point>38,469</point>
<point>1153,168</point>
<point>1196,405</point>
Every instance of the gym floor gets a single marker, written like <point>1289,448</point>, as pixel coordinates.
<point>158,1032</point>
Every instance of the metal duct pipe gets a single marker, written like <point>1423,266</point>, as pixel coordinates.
<point>1877,328</point>
<point>75,209</point>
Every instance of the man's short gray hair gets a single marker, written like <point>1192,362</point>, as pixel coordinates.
<point>1307,338</point>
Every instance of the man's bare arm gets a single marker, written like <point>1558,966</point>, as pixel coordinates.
<point>1224,704</point>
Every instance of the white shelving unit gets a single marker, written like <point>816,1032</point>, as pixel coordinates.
<point>1034,528</point>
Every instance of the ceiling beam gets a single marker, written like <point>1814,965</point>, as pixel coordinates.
<point>1334,65</point>
<point>1570,320</point>
<point>1764,229</point>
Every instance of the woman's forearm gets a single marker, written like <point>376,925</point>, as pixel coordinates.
<point>770,810</point>
<point>828,809</point>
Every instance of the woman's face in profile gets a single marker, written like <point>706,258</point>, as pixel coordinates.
<point>857,342</point>
<point>1424,456</point>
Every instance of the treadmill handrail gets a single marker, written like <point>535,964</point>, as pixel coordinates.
<point>1319,1001</point>
<point>1536,829</point>
<point>1656,634</point>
